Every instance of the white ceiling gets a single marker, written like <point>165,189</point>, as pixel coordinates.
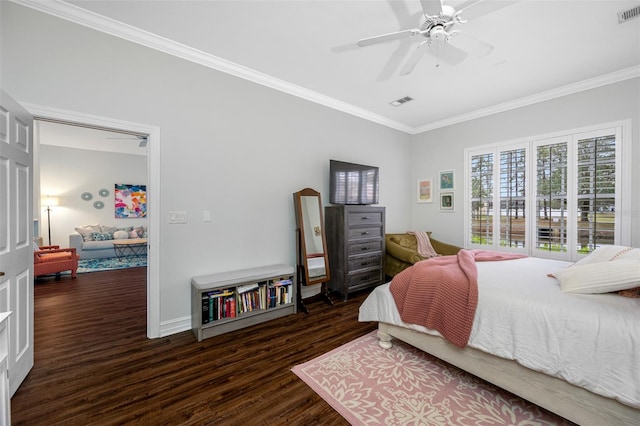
<point>542,49</point>
<point>73,136</point>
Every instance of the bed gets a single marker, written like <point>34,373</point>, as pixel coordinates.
<point>577,355</point>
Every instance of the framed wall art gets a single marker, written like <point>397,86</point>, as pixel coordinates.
<point>446,201</point>
<point>130,201</point>
<point>425,191</point>
<point>447,180</point>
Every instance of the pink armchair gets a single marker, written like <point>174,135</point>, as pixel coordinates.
<point>53,260</point>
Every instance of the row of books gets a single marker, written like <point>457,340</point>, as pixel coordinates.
<point>228,303</point>
<point>280,292</point>
<point>218,304</point>
<point>253,299</point>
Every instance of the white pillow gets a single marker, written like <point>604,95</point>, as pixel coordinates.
<point>600,277</point>
<point>609,253</point>
<point>120,235</point>
<point>108,229</point>
<point>87,231</point>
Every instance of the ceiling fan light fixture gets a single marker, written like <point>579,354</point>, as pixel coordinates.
<point>438,33</point>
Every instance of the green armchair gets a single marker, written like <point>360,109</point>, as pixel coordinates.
<point>402,251</point>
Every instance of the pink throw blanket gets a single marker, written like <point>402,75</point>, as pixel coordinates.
<point>441,293</point>
<point>425,249</point>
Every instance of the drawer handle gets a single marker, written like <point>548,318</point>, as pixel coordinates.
<point>365,218</point>
<point>364,233</point>
<point>365,248</point>
<point>365,263</point>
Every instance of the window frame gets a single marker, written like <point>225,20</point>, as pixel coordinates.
<point>623,184</point>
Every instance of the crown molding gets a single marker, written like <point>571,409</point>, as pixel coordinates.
<point>80,16</point>
<point>591,83</point>
<point>75,14</point>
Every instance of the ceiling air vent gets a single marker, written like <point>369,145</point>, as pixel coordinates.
<point>401,101</point>
<point>625,15</point>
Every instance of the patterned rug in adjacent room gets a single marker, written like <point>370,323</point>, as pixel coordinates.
<point>405,386</point>
<point>107,264</point>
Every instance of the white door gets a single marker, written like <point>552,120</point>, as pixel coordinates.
<point>16,234</point>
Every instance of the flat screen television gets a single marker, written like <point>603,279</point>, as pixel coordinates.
<point>352,183</point>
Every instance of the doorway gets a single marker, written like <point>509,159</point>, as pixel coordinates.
<point>152,133</point>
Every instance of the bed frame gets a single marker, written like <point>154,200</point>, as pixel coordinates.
<point>556,395</point>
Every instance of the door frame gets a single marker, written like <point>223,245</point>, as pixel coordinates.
<point>153,193</point>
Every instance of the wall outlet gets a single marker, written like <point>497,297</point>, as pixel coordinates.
<point>178,217</point>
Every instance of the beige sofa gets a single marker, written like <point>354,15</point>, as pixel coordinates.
<point>96,241</point>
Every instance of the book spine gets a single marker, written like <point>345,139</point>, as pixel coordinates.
<point>212,309</point>
<point>205,308</point>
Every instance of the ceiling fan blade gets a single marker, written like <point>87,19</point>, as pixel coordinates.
<point>470,44</point>
<point>448,54</point>
<point>476,8</point>
<point>388,37</point>
<point>396,60</point>
<point>415,58</point>
<point>431,7</point>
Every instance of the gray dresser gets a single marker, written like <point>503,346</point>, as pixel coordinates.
<point>355,242</point>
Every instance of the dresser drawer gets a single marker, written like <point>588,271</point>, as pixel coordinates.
<point>364,218</point>
<point>366,262</point>
<point>364,248</point>
<point>364,233</point>
<point>364,279</point>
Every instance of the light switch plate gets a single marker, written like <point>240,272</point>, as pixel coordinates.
<point>177,217</point>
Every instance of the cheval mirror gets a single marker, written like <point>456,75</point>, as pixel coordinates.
<point>312,257</point>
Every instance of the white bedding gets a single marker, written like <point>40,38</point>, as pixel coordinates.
<point>592,341</point>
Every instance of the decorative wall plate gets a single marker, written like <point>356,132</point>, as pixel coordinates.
<point>86,196</point>
<point>98,204</point>
<point>103,192</point>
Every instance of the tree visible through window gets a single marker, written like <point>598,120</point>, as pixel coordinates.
<point>513,200</point>
<point>482,199</point>
<point>551,197</point>
<point>596,183</point>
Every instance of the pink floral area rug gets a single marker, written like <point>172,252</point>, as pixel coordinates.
<point>369,385</point>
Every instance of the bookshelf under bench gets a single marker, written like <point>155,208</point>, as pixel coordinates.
<point>227,301</point>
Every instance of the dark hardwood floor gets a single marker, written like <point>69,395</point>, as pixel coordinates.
<point>95,365</point>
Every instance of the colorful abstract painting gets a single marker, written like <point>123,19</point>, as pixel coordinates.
<point>130,201</point>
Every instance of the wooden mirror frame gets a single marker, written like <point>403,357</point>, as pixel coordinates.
<point>304,230</point>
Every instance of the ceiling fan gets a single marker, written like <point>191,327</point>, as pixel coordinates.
<point>437,23</point>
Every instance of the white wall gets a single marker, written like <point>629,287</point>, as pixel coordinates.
<point>228,146</point>
<point>69,172</point>
<point>443,149</point>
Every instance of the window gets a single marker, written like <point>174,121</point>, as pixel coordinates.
<point>513,201</point>
<point>551,196</point>
<point>509,177</point>
<point>562,201</point>
<point>482,198</point>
